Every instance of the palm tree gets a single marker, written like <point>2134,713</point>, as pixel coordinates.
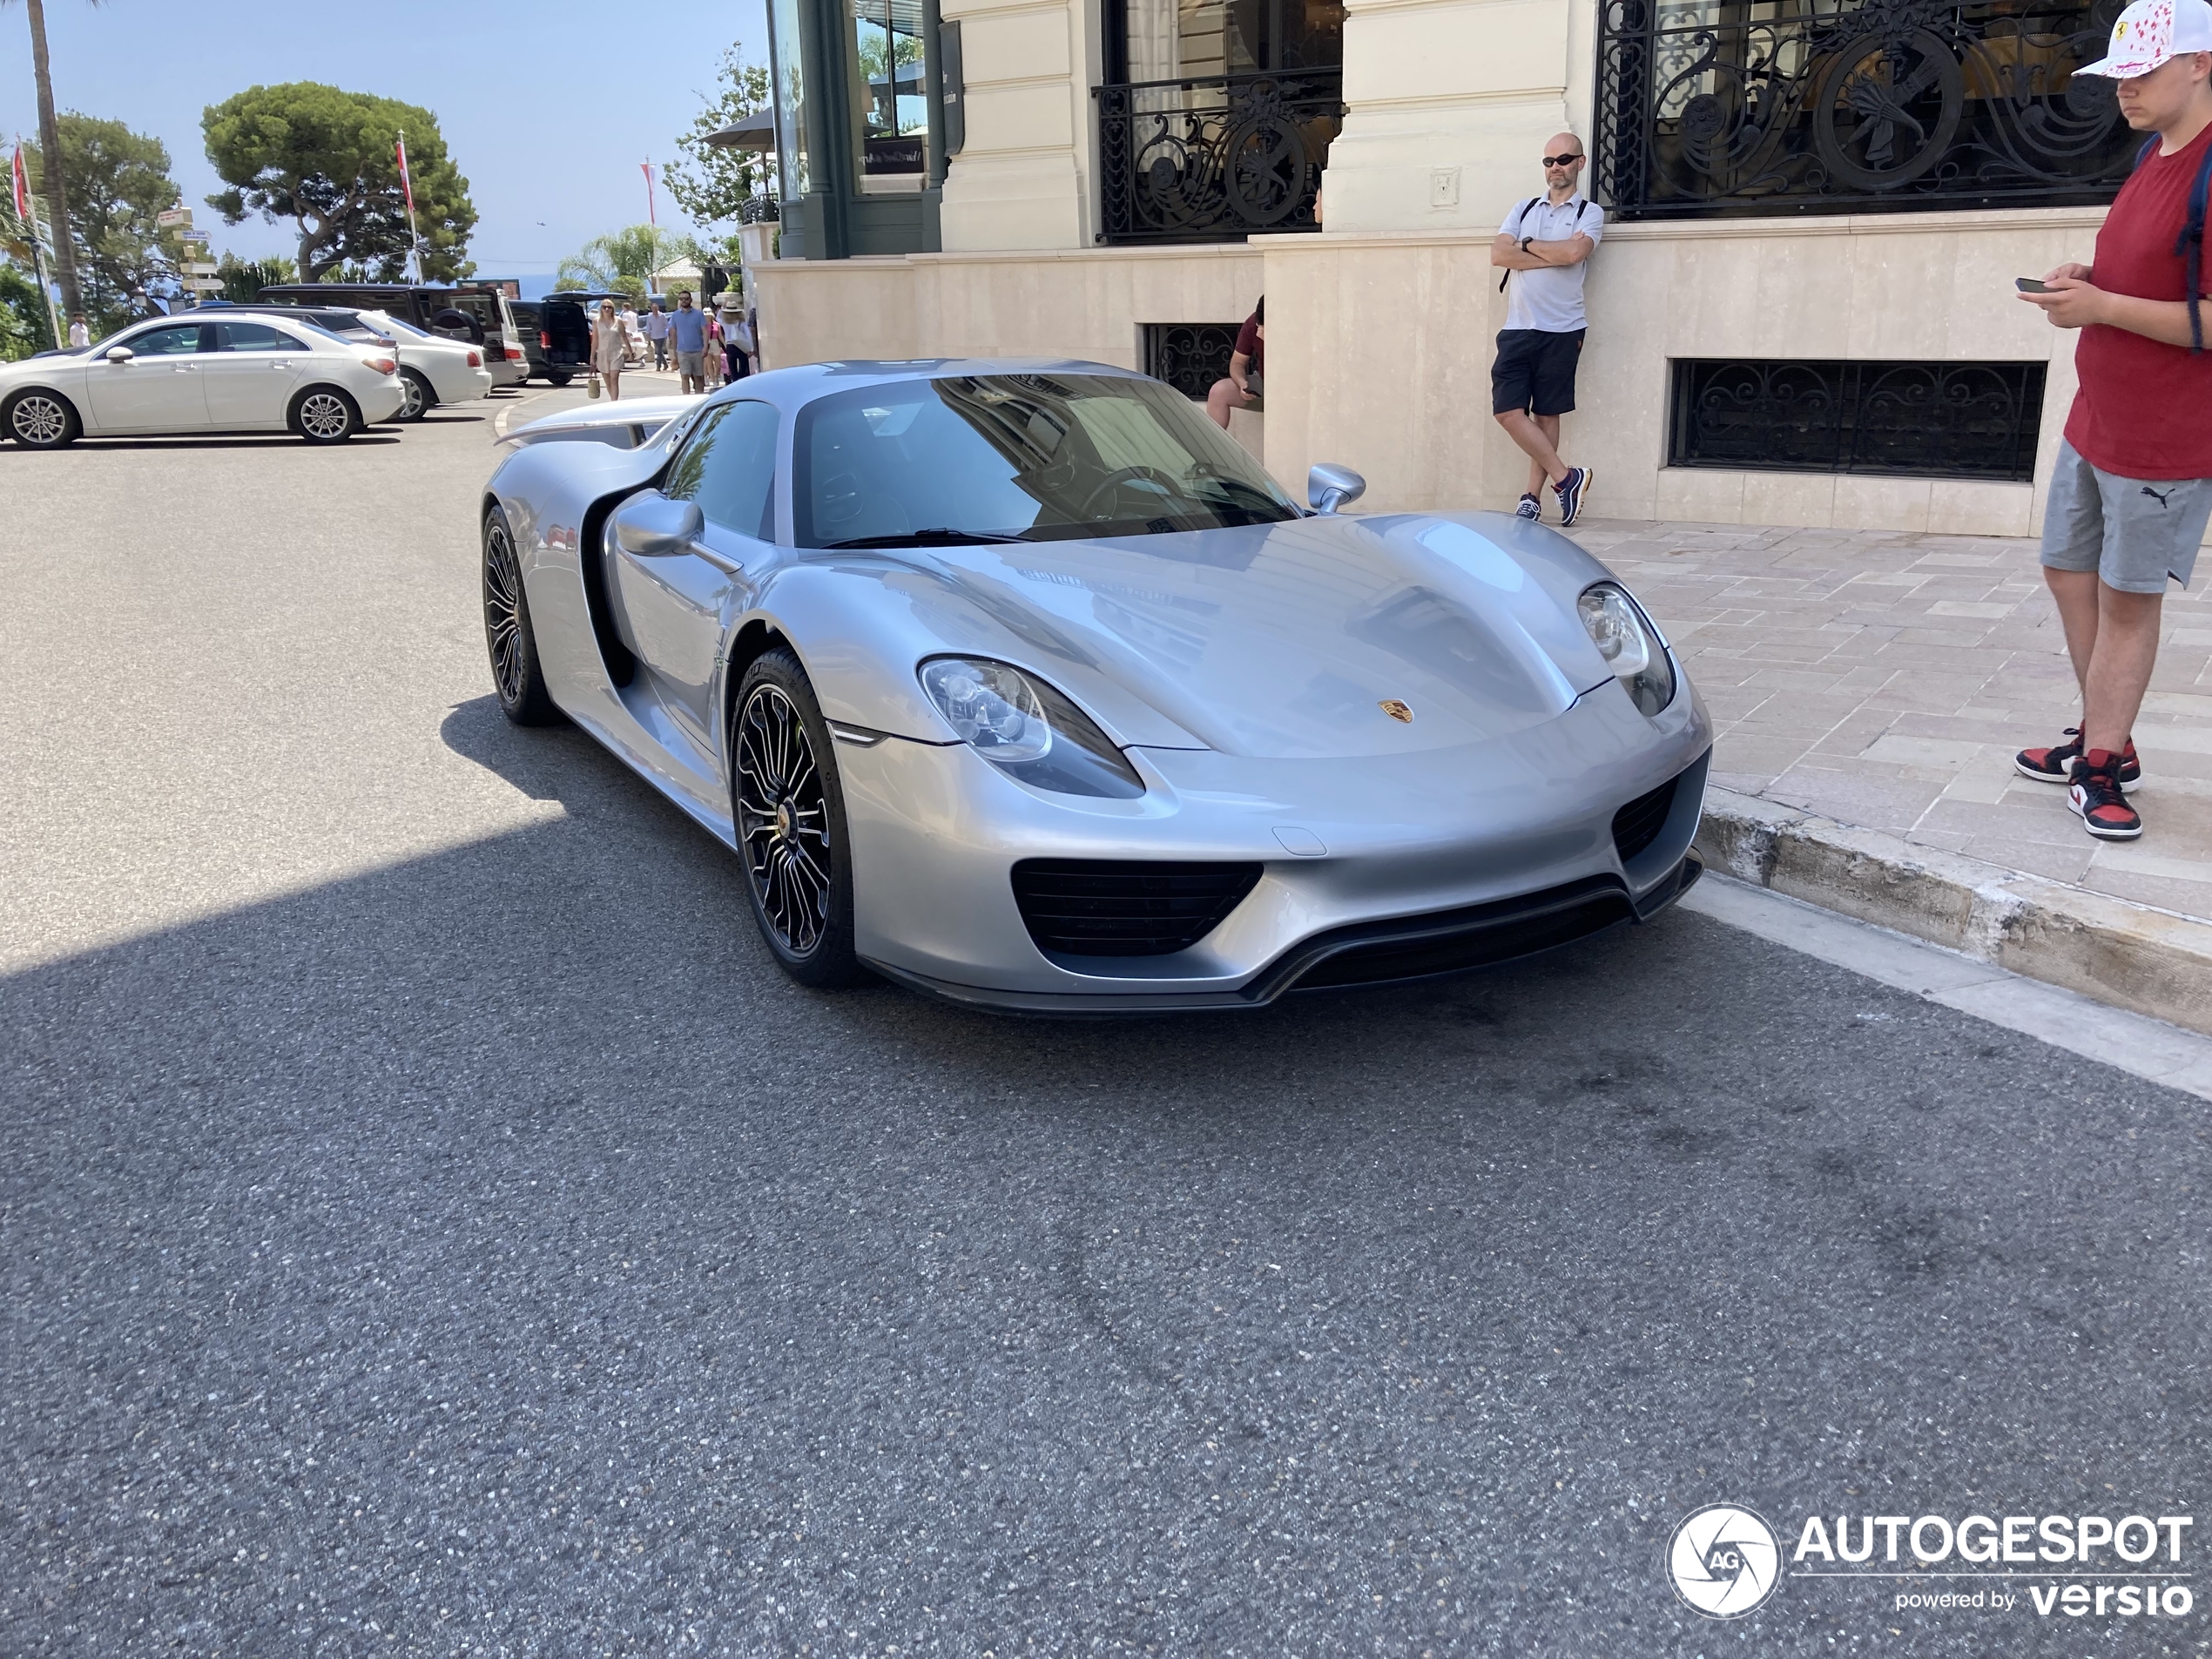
<point>625,261</point>
<point>49,160</point>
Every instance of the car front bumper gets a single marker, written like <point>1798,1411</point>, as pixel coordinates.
<point>1426,862</point>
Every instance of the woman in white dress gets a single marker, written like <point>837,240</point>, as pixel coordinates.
<point>609,344</point>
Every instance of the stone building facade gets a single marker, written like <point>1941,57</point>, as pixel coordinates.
<point>1802,311</point>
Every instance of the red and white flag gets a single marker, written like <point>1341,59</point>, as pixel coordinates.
<point>20,178</point>
<point>651,217</point>
<point>407,184</point>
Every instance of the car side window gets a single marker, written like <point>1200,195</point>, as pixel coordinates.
<point>253,336</point>
<point>175,341</point>
<point>728,467</point>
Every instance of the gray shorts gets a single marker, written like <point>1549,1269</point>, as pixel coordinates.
<point>692,363</point>
<point>2134,533</point>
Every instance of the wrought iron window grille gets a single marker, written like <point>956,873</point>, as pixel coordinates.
<point>1708,107</point>
<point>1215,159</point>
<point>1919,420</point>
<point>1189,356</point>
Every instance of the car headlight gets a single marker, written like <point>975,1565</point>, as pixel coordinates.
<point>1630,644</point>
<point>1027,728</point>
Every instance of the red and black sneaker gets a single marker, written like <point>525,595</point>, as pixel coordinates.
<point>2055,765</point>
<point>2096,795</point>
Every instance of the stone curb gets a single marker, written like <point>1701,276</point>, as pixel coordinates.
<point>2150,961</point>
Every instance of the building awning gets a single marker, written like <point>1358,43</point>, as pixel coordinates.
<point>755,132</point>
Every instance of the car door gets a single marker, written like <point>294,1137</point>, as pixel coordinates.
<point>157,388</point>
<point>249,373</point>
<point>676,606</point>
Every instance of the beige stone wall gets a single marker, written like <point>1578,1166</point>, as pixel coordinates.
<point>1379,346</point>
<point>1090,303</point>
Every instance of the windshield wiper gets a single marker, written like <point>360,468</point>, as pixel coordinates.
<point>936,537</point>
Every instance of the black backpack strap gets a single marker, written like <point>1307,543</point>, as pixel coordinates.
<point>2189,245</point>
<point>2143,154</point>
<point>1506,275</point>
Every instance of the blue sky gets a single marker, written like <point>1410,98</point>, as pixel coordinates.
<point>547,105</point>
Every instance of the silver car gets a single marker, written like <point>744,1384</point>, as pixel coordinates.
<point>201,372</point>
<point>1020,683</point>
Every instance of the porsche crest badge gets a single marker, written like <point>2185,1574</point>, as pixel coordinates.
<point>1397,711</point>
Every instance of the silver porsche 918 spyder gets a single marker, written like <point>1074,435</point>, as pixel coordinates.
<point>1022,684</point>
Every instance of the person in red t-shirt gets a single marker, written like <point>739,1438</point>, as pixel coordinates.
<point>2132,490</point>
<point>1245,388</point>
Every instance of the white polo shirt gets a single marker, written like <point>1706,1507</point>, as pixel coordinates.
<point>1550,299</point>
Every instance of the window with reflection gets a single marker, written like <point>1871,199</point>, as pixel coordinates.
<point>790,93</point>
<point>889,98</point>
<point>1167,40</point>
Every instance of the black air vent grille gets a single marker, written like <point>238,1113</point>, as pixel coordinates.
<point>1636,826</point>
<point>1102,907</point>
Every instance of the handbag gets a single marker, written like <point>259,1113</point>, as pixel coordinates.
<point>594,387</point>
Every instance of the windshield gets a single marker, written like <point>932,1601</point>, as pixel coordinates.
<point>1029,457</point>
<point>384,322</point>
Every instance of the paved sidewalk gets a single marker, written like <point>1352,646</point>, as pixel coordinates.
<point>1885,679</point>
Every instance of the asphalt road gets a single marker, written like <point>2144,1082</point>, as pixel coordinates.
<point>430,1225</point>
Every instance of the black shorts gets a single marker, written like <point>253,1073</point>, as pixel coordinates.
<point>1534,371</point>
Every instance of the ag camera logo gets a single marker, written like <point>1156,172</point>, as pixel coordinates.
<point>1724,1560</point>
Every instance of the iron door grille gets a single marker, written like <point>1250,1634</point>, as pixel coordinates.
<point>1918,419</point>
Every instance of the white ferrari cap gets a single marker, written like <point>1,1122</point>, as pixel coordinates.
<point>2149,33</point>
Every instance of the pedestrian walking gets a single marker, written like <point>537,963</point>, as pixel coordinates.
<point>607,345</point>
<point>687,331</point>
<point>80,332</point>
<point>656,334</point>
<point>714,353</point>
<point>1544,248</point>
<point>731,315</point>
<point>2131,490</point>
<point>1246,387</point>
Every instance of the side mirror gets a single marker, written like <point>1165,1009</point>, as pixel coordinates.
<point>118,354</point>
<point>653,527</point>
<point>1329,487</point>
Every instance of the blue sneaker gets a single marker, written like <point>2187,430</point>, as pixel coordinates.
<point>1530,509</point>
<point>1571,491</point>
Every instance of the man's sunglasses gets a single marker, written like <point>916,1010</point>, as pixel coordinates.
<point>1560,161</point>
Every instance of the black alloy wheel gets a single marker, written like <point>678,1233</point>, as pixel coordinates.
<point>421,399</point>
<point>42,419</point>
<point>517,674</point>
<point>791,824</point>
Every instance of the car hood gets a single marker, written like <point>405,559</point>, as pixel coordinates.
<point>1320,637</point>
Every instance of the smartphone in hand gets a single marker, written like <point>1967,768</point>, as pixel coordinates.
<point>2031,285</point>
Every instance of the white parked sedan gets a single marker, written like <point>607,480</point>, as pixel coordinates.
<point>201,374</point>
<point>432,370</point>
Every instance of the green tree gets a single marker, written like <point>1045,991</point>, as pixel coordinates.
<point>623,262</point>
<point>243,279</point>
<point>118,182</point>
<point>57,178</point>
<point>711,184</point>
<point>323,158</point>
<point>25,325</point>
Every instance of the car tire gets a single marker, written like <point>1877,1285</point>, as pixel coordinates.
<point>517,677</point>
<point>421,396</point>
<point>560,380</point>
<point>38,418</point>
<point>325,414</point>
<point>790,825</point>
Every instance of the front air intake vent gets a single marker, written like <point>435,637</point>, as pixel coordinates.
<point>1126,908</point>
<point>1636,826</point>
